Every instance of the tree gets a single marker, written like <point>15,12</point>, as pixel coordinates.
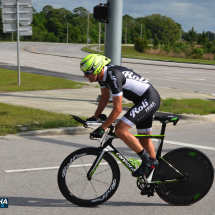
<point>202,39</point>
<point>164,27</point>
<point>192,35</point>
<point>155,42</point>
<point>47,9</point>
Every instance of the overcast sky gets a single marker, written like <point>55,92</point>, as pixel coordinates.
<point>199,14</point>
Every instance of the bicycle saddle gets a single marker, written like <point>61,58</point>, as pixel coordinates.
<point>167,119</point>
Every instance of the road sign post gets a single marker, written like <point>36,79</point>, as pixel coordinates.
<point>19,11</point>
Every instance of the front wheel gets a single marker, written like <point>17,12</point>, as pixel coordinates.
<point>190,162</point>
<point>77,188</point>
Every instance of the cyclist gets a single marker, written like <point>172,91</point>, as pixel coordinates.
<point>124,82</point>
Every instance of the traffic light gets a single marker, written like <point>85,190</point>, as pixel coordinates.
<point>100,12</point>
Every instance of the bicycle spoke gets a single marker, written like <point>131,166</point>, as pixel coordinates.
<point>82,192</point>
<point>82,161</point>
<point>97,173</point>
<point>94,189</point>
<point>101,181</point>
<point>77,182</point>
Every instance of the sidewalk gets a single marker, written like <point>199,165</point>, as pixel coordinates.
<point>82,102</point>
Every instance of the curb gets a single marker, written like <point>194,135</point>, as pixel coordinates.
<point>57,131</point>
<point>34,52</point>
<point>81,130</point>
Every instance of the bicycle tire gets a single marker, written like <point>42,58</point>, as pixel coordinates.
<point>88,193</point>
<point>199,170</point>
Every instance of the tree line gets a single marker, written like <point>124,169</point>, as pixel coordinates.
<point>50,25</point>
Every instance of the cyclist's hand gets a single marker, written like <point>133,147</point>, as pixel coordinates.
<point>98,133</point>
<point>91,119</point>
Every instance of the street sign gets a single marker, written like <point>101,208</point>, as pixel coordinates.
<point>8,28</point>
<point>12,3</point>
<point>19,11</point>
<point>9,15</point>
<point>25,16</point>
<point>25,30</point>
<point>8,3</point>
<point>88,40</point>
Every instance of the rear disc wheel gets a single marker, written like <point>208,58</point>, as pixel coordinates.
<point>198,170</point>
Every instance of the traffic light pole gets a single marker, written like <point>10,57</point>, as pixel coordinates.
<point>113,32</point>
<point>19,81</point>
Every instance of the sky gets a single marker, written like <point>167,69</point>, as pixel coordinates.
<point>189,13</point>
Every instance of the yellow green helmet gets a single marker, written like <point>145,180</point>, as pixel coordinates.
<point>94,63</point>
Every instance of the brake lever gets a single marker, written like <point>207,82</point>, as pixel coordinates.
<point>91,137</point>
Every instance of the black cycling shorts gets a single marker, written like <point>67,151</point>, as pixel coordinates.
<point>141,114</point>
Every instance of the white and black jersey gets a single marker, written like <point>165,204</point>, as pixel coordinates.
<point>123,81</point>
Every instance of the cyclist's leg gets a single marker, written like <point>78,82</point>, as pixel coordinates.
<point>145,128</point>
<point>122,132</point>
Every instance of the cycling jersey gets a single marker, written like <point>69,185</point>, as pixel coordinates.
<point>123,81</point>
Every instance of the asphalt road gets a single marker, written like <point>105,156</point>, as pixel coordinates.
<point>200,78</point>
<point>36,192</point>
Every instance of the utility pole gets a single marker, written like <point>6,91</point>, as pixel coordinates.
<point>67,32</point>
<point>88,27</point>
<point>125,34</point>
<point>17,9</point>
<point>100,29</point>
<point>12,36</point>
<point>141,31</point>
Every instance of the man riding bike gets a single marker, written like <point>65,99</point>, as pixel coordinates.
<point>124,82</point>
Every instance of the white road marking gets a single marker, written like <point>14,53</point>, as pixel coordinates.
<point>48,168</point>
<point>188,144</point>
<point>75,166</point>
<point>171,79</point>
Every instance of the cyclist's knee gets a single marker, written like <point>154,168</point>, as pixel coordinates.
<point>119,130</point>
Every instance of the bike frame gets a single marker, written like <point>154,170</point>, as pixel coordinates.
<point>106,146</point>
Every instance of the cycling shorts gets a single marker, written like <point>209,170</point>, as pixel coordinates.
<point>141,114</point>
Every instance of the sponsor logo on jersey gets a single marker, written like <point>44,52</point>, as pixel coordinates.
<point>113,78</point>
<point>150,107</point>
<point>144,106</point>
<point>131,75</point>
<point>140,108</point>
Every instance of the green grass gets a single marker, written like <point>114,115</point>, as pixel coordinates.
<point>12,118</point>
<point>130,52</point>
<point>189,106</point>
<point>9,82</point>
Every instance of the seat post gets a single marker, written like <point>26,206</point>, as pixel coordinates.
<point>163,128</point>
<point>158,155</point>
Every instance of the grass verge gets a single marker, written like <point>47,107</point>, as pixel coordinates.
<point>13,119</point>
<point>9,82</point>
<point>188,106</point>
<point>130,52</point>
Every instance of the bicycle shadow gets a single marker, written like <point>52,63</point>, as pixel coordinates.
<point>43,202</point>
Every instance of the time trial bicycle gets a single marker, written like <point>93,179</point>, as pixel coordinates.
<point>90,176</point>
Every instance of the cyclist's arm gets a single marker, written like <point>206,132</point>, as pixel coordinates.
<point>104,99</point>
<point>117,102</point>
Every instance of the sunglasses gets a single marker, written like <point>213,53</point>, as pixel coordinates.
<point>88,72</point>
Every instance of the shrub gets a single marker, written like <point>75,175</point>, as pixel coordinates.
<point>176,50</point>
<point>141,45</point>
<point>166,48</point>
<point>155,42</point>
